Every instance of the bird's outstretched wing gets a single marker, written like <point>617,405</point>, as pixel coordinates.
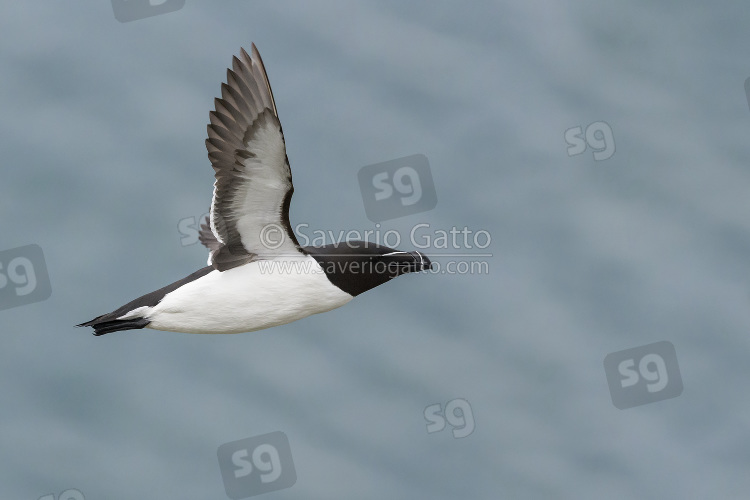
<point>249,216</point>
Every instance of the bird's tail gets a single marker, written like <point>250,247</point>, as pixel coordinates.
<point>102,325</point>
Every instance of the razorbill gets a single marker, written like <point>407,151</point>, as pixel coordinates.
<point>258,275</point>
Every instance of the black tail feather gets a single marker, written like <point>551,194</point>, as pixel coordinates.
<point>103,327</point>
<point>107,323</point>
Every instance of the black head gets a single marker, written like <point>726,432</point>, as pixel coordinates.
<point>358,266</point>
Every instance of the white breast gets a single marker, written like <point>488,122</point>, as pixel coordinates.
<point>258,295</point>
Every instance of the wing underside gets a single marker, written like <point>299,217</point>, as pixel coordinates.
<point>249,217</point>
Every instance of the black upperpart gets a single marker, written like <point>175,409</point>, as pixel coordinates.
<point>358,266</point>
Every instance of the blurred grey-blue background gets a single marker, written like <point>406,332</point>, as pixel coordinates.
<point>102,130</point>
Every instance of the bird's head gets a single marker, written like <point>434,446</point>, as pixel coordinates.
<point>358,266</point>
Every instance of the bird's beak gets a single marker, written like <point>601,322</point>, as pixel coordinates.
<point>421,262</point>
<point>407,262</point>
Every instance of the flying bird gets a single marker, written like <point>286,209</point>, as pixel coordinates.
<point>258,276</point>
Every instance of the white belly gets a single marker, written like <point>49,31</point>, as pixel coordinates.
<point>251,297</point>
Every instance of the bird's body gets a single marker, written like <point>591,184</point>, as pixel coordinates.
<point>258,275</point>
<point>249,298</point>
